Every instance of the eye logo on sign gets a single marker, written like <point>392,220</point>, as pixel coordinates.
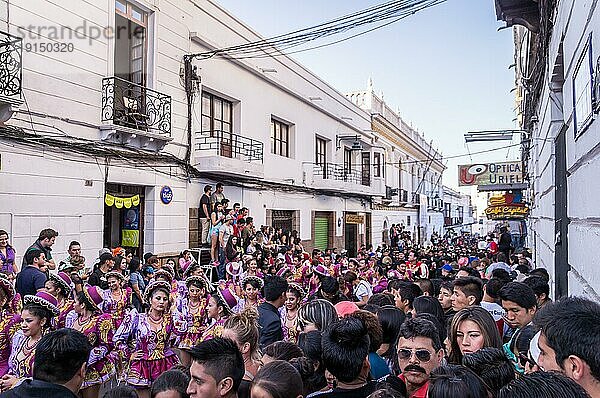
<point>166,194</point>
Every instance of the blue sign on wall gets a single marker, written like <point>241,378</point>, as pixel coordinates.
<point>166,194</point>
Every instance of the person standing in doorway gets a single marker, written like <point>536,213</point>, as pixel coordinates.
<point>204,216</point>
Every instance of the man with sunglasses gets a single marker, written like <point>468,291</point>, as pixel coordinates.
<point>419,352</point>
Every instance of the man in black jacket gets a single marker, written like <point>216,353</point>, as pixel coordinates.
<point>505,242</point>
<point>60,361</point>
<point>268,312</point>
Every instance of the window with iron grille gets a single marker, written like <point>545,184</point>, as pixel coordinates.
<point>280,138</point>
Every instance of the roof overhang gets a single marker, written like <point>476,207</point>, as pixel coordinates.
<point>519,12</point>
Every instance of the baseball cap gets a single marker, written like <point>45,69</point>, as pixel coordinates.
<point>447,267</point>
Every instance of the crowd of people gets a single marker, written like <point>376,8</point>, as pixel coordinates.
<point>452,318</point>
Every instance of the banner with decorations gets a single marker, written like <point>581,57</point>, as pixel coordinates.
<point>119,203</point>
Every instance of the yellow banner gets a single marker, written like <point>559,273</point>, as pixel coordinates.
<point>119,203</point>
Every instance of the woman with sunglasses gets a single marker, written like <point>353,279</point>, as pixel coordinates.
<point>472,329</point>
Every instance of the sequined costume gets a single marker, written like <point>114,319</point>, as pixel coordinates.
<point>194,321</point>
<point>99,331</point>
<point>117,308</point>
<point>65,307</point>
<point>214,330</point>
<point>155,345</point>
<point>289,333</point>
<point>9,325</point>
<point>20,362</point>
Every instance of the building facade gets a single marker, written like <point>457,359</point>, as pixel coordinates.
<point>557,80</point>
<point>459,213</point>
<point>408,167</point>
<point>109,138</point>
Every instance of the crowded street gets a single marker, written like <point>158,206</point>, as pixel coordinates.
<point>192,209</point>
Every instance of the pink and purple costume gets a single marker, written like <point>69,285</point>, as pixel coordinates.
<point>155,345</point>
<point>117,308</point>
<point>194,322</point>
<point>99,331</point>
<point>9,324</point>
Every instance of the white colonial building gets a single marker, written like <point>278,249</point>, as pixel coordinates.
<point>408,167</point>
<point>99,143</point>
<point>557,59</point>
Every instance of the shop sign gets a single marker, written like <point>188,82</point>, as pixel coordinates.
<point>166,194</point>
<point>119,203</point>
<point>354,219</point>
<point>485,174</point>
<point>507,206</point>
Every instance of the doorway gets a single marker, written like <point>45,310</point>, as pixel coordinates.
<point>350,238</point>
<point>124,217</point>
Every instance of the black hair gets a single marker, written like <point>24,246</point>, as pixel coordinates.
<point>470,286</point>
<point>207,188</point>
<point>171,380</point>
<point>455,381</point>
<point>31,255</point>
<point>518,293</point>
<point>134,264</point>
<point>571,326</point>
<point>425,285</point>
<point>543,384</point>
<point>429,305</point>
<point>470,271</point>
<point>59,355</point>
<point>121,391</point>
<point>541,272</point>
<point>47,233</point>
<point>83,299</point>
<point>73,243</point>
<point>493,286</point>
<point>538,284</point>
<point>439,325</point>
<point>330,285</point>
<point>221,358</point>
<point>219,185</point>
<point>420,327</point>
<point>408,290</point>
<point>492,365</point>
<point>381,299</point>
<point>40,312</point>
<point>373,328</point>
<point>501,257</point>
<point>310,344</point>
<point>280,380</point>
<point>502,274</point>
<point>274,287</point>
<point>252,282</point>
<point>391,318</point>
<point>283,350</point>
<point>345,347</point>
<point>313,379</point>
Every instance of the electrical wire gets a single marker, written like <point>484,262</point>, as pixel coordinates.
<point>275,46</point>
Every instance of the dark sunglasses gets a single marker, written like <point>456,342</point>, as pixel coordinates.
<point>524,359</point>
<point>422,355</point>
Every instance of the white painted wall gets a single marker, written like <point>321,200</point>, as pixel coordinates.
<point>573,23</point>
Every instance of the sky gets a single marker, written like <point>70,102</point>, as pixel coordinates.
<point>445,68</point>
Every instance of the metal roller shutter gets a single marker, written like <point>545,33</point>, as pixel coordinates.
<point>321,233</point>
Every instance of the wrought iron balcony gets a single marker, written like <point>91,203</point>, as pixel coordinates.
<point>11,55</point>
<point>230,145</point>
<point>136,107</point>
<point>340,173</point>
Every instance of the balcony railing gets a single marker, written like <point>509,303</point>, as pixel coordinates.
<point>131,105</point>
<point>230,145</point>
<point>11,56</point>
<point>403,196</point>
<point>338,172</point>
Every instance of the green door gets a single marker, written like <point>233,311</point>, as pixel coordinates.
<point>321,232</point>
